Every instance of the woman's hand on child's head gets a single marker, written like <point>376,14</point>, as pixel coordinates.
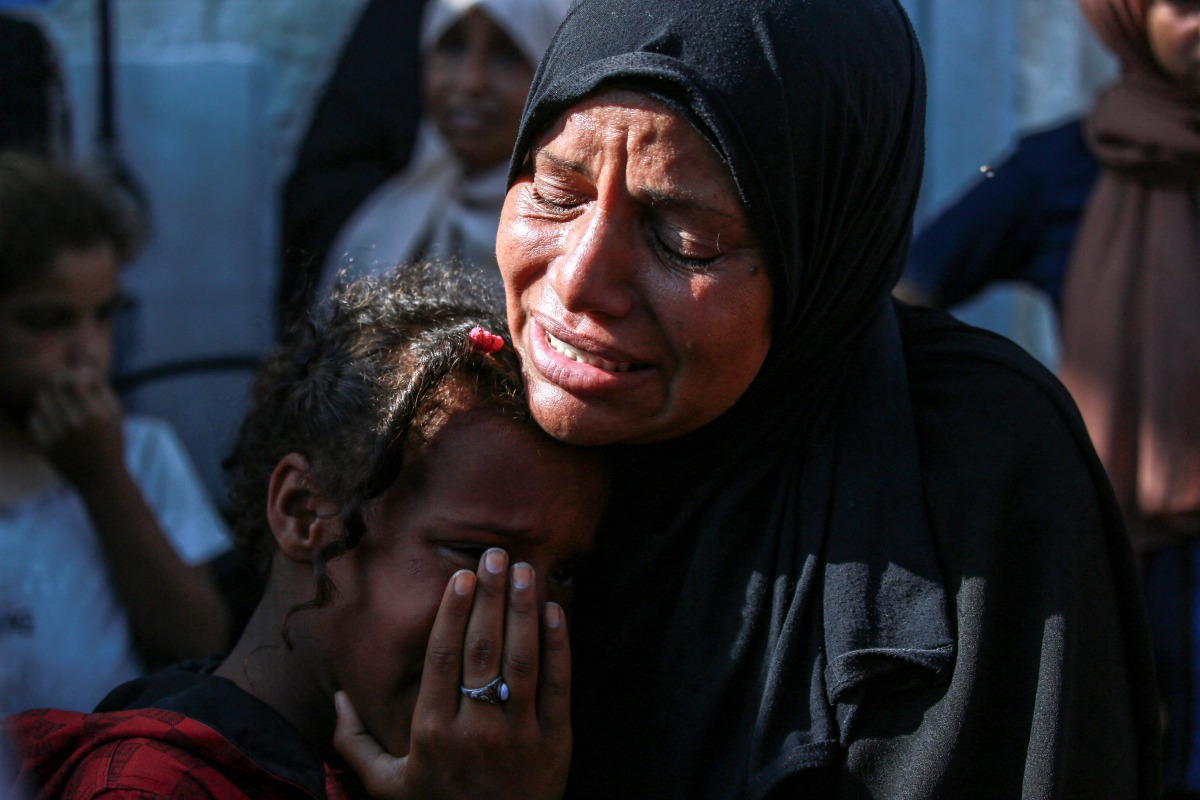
<point>488,625</point>
<point>76,421</point>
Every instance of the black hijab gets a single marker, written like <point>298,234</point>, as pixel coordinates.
<point>759,577</point>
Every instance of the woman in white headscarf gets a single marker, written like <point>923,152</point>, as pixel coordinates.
<point>478,58</point>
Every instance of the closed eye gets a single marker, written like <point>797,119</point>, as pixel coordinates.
<point>672,255</point>
<point>556,202</point>
<point>467,554</point>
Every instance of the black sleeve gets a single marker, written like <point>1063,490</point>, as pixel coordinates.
<point>986,235</point>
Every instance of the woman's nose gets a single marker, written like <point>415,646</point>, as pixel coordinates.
<point>594,272</point>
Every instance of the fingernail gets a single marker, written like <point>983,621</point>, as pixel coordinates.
<point>494,561</point>
<point>522,574</point>
<point>554,615</point>
<point>464,581</point>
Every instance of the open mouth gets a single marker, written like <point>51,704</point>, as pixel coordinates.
<point>565,349</point>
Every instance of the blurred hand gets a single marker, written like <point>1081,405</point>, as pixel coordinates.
<point>77,423</point>
<point>462,747</point>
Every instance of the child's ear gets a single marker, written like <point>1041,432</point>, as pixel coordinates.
<point>302,520</point>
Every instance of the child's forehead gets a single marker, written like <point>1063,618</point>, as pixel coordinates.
<point>509,466</point>
<point>477,432</point>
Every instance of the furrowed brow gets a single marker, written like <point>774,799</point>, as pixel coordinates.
<point>683,202</point>
<point>564,164</point>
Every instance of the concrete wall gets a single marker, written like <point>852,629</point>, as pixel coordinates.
<point>295,40</point>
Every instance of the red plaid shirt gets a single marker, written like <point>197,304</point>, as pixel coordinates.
<point>153,752</point>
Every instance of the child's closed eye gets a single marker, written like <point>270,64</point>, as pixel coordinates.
<point>468,555</point>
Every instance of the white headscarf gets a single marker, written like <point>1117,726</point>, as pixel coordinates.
<point>529,23</point>
<point>432,205</point>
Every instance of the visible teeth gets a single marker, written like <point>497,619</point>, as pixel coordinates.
<point>584,358</point>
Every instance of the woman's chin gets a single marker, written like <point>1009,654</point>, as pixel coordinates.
<point>582,423</point>
<point>575,422</point>
<point>574,427</point>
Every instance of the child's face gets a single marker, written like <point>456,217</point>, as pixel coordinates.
<point>486,483</point>
<point>476,80</point>
<point>1173,27</point>
<point>60,321</point>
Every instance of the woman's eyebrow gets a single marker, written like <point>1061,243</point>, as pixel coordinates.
<point>681,200</point>
<point>684,201</point>
<point>564,163</point>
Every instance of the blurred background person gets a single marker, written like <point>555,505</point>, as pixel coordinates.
<point>361,133</point>
<point>478,58</point>
<point>105,530</point>
<point>1017,222</point>
<point>34,113</point>
<point>1131,327</point>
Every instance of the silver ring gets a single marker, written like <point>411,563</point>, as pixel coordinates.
<point>495,692</point>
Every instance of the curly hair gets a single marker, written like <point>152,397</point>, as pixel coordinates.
<point>47,207</point>
<point>364,381</point>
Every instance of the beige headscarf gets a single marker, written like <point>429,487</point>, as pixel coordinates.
<point>433,209</point>
<point>1131,304</point>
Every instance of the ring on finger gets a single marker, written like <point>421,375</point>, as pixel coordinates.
<point>494,691</point>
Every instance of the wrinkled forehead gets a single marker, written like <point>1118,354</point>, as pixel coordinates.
<point>615,105</point>
<point>661,85</point>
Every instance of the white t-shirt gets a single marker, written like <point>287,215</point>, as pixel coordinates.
<point>65,640</point>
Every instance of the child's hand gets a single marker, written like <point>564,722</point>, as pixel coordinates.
<point>462,747</point>
<point>76,421</point>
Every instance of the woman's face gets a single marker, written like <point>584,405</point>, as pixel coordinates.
<point>1173,28</point>
<point>476,79</point>
<point>484,482</point>
<point>59,321</point>
<point>638,299</point>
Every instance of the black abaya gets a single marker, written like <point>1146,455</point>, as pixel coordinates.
<point>894,568</point>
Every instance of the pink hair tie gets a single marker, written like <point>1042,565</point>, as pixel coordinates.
<point>485,340</point>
